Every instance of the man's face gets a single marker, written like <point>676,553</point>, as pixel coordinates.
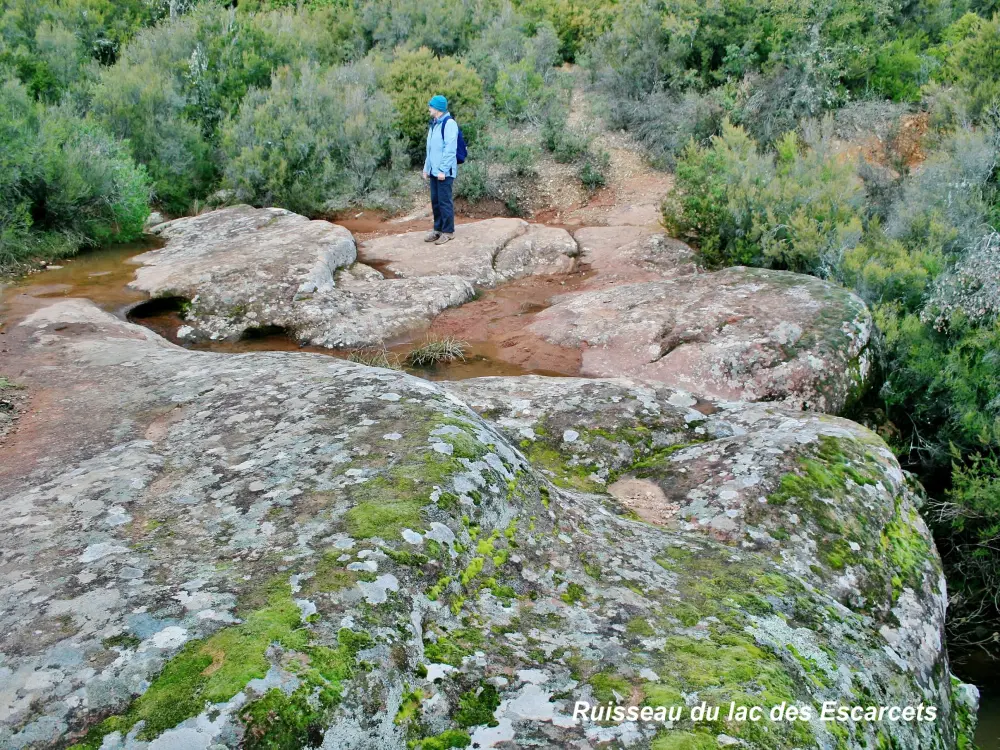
<point>435,113</point>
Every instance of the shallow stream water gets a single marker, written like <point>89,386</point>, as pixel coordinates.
<point>102,276</point>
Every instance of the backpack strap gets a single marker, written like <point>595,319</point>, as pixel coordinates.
<point>444,121</point>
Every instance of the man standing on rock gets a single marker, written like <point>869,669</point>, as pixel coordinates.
<point>441,168</point>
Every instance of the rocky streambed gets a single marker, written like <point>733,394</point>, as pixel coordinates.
<point>203,549</point>
<point>642,308</point>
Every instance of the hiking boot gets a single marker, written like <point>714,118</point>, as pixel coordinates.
<point>431,236</point>
<point>443,239</point>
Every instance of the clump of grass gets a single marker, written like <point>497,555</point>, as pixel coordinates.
<point>7,383</point>
<point>594,170</point>
<point>434,351</point>
<point>376,358</point>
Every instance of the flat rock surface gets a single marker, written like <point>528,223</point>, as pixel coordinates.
<point>245,268</point>
<point>739,334</point>
<point>198,549</point>
<point>620,254</point>
<point>485,253</point>
<point>242,251</point>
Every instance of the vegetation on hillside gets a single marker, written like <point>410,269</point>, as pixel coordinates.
<point>108,107</point>
<point>922,248</point>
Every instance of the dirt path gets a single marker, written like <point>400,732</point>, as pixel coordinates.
<point>634,189</point>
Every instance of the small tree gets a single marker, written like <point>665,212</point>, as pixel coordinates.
<point>313,142</point>
<point>414,76</point>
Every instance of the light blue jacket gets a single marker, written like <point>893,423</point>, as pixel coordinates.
<point>441,151</point>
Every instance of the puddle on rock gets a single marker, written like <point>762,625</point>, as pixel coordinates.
<point>101,276</point>
<point>496,324</point>
<point>492,325</point>
<point>481,358</point>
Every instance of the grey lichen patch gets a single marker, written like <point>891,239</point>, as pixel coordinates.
<point>288,574</point>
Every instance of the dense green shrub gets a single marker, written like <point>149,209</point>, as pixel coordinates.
<point>594,171</point>
<point>576,22</point>
<point>901,69</point>
<point>329,33</point>
<point>517,68</point>
<point>885,271</point>
<point>445,27</point>
<point>564,143</point>
<point>946,201</point>
<point>971,54</point>
<point>141,102</point>
<point>89,186</point>
<point>416,75</point>
<point>775,102</point>
<point>176,83</point>
<point>476,184</point>
<point>98,28</point>
<point>770,65</point>
<point>798,209</point>
<point>638,54</point>
<point>664,122</point>
<point>64,182</point>
<point>314,141</point>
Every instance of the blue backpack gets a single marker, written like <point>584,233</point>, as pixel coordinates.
<point>461,152</point>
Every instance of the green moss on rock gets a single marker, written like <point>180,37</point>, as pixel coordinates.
<point>450,738</point>
<point>214,669</point>
<point>476,707</point>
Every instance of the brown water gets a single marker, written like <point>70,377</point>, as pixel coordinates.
<point>98,275</point>
<point>102,276</point>
<point>984,672</point>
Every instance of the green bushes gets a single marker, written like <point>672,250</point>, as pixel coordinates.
<point>517,67</point>
<point>414,76</point>
<point>927,258</point>
<point>141,103</point>
<point>47,40</point>
<point>443,26</point>
<point>971,55</point>
<point>313,142</point>
<point>64,182</point>
<point>576,22</point>
<point>797,209</point>
<point>901,69</point>
<point>562,142</point>
<point>594,171</point>
<point>767,66</point>
<point>665,122</point>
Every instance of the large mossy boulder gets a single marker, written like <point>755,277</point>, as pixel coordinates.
<point>285,550</point>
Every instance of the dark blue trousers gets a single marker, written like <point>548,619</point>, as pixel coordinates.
<point>442,205</point>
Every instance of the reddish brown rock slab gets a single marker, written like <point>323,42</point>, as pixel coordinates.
<point>737,334</point>
<point>484,253</point>
<point>632,253</point>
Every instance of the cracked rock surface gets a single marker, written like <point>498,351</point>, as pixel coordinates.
<point>286,550</point>
<point>483,252</point>
<point>245,268</point>
<point>742,334</point>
